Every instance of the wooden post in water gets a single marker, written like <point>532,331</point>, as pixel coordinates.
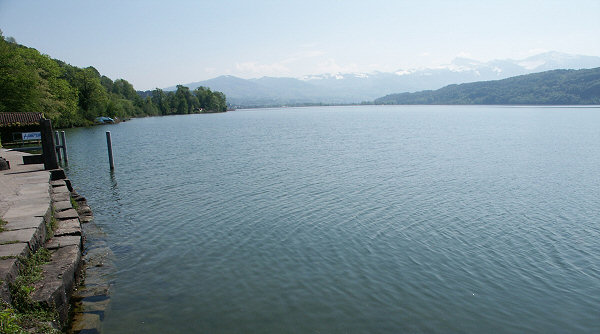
<point>57,139</point>
<point>64,146</point>
<point>48,146</point>
<point>110,154</point>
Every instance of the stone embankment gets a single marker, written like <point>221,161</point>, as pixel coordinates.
<point>37,210</point>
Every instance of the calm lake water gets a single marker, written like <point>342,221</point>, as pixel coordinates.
<point>370,219</point>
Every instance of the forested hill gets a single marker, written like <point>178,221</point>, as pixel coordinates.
<point>558,87</point>
<point>73,96</point>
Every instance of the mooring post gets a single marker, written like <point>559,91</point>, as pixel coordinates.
<point>57,139</point>
<point>110,154</point>
<point>63,139</point>
<point>48,146</point>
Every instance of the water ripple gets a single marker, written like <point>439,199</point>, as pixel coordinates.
<point>372,219</point>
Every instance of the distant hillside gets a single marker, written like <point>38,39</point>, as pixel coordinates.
<point>557,87</point>
<point>265,91</point>
<point>342,88</point>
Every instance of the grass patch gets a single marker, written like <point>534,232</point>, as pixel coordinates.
<point>24,312</point>
<point>25,315</point>
<point>2,224</point>
<point>9,242</point>
<point>30,272</point>
<point>9,321</point>
<point>74,204</point>
<point>51,226</point>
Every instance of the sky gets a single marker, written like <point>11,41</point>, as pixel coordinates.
<point>163,43</point>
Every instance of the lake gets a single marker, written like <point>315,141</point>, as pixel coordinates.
<point>367,219</point>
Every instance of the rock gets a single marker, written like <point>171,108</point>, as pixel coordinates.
<point>64,241</point>
<point>67,214</point>
<point>86,219</point>
<point>68,227</point>
<point>90,291</point>
<point>9,270</point>
<point>57,190</point>
<point>62,205</point>
<point>4,165</point>
<point>57,174</point>
<point>57,183</point>
<point>84,210</point>
<point>88,322</point>
<point>68,184</point>
<point>57,197</point>
<point>14,250</point>
<point>59,278</point>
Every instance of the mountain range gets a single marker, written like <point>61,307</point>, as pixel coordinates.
<point>346,88</point>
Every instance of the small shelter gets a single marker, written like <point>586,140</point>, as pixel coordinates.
<point>12,124</point>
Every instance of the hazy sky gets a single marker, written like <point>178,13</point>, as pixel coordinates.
<point>163,43</point>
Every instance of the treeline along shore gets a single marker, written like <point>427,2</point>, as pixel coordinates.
<point>71,96</point>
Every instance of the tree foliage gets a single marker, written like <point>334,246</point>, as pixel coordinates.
<point>32,82</point>
<point>73,96</point>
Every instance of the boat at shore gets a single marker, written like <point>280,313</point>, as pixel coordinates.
<point>104,120</point>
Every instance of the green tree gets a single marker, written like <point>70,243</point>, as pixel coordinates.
<point>184,102</point>
<point>125,89</point>
<point>209,100</point>
<point>92,95</point>
<point>56,98</point>
<point>149,108</point>
<point>159,99</point>
<point>107,83</point>
<point>34,82</point>
<point>18,81</point>
<point>218,102</point>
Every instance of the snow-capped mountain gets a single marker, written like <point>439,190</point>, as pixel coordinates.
<point>358,87</point>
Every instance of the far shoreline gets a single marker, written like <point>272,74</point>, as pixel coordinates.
<point>239,108</point>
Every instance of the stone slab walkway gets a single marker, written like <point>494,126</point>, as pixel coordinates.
<point>21,183</point>
<point>28,200</point>
<point>25,206</point>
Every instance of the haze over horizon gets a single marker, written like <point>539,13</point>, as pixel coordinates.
<point>155,44</point>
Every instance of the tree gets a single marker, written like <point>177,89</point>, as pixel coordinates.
<point>185,101</point>
<point>124,88</point>
<point>34,82</point>
<point>92,96</point>
<point>56,98</point>
<point>211,101</point>
<point>159,99</point>
<point>203,95</point>
<point>107,83</point>
<point>150,108</point>
<point>219,102</point>
<point>18,81</point>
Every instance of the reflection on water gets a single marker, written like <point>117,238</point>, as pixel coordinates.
<point>114,187</point>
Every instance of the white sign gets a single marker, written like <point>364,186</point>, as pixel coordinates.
<point>31,136</point>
